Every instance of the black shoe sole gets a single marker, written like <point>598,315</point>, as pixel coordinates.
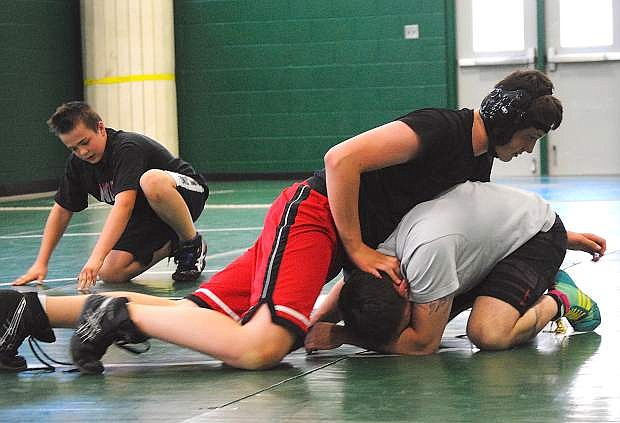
<point>90,368</point>
<point>15,363</point>
<point>186,276</point>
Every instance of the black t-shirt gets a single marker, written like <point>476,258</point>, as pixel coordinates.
<point>446,158</point>
<point>126,157</point>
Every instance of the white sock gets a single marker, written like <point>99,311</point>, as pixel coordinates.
<point>43,301</point>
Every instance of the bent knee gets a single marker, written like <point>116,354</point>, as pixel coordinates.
<point>153,181</point>
<point>258,354</point>
<point>487,338</point>
<point>257,359</point>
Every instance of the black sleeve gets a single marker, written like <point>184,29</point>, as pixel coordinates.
<point>129,165</point>
<point>71,195</point>
<point>436,134</point>
<point>482,170</point>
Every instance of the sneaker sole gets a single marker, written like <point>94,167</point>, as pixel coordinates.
<point>13,364</point>
<point>186,276</point>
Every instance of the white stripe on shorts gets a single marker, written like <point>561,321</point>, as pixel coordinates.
<point>186,182</point>
<point>220,303</point>
<point>293,313</point>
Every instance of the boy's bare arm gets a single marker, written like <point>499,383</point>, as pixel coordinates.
<point>423,336</point>
<point>112,230</point>
<point>377,148</point>
<point>328,310</point>
<point>56,224</point>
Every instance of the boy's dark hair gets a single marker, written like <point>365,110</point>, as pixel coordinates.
<point>371,307</point>
<point>68,115</point>
<point>545,111</point>
<point>523,99</point>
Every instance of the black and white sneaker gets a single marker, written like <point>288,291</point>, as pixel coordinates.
<point>21,315</point>
<point>191,258</point>
<point>103,321</point>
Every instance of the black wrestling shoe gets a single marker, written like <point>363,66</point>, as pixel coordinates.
<point>190,258</point>
<point>103,321</point>
<point>21,315</point>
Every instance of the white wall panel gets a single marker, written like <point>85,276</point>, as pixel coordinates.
<point>128,56</point>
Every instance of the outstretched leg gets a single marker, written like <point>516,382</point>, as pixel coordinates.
<point>256,323</point>
<point>63,312</point>
<point>260,343</point>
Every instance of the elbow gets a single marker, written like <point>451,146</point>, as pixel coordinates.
<point>426,349</point>
<point>332,159</point>
<point>414,346</point>
<point>340,159</point>
<point>423,347</point>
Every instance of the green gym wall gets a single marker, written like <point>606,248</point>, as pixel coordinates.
<point>41,68</point>
<point>268,86</point>
<point>263,87</point>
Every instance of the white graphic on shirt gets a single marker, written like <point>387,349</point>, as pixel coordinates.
<point>105,191</point>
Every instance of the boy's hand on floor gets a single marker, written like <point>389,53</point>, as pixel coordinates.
<point>37,272</point>
<point>88,276</point>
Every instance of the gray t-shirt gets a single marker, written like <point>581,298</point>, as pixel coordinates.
<point>449,244</point>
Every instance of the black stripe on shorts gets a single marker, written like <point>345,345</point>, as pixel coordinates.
<point>280,240</point>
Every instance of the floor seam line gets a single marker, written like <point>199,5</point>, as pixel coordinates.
<point>282,382</point>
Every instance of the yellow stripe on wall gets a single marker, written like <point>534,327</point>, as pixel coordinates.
<point>130,78</point>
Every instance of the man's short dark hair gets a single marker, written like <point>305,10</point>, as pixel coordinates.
<point>545,112</point>
<point>68,115</point>
<point>371,308</point>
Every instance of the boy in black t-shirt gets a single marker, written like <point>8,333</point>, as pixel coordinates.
<point>375,178</point>
<point>155,197</point>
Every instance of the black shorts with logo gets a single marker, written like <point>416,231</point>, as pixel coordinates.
<point>523,277</point>
<point>146,232</point>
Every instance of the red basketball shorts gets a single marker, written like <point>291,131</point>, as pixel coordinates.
<point>286,267</point>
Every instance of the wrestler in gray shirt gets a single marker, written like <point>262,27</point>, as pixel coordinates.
<point>430,239</point>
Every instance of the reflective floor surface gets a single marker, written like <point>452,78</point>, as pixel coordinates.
<point>559,377</point>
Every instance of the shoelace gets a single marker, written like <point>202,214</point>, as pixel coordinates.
<point>128,347</point>
<point>560,328</point>
<point>47,360</point>
<point>48,367</point>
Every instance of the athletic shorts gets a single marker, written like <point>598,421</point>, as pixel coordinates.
<point>286,267</point>
<point>523,277</point>
<point>146,232</point>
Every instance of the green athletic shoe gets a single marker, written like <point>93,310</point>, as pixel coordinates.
<point>580,310</point>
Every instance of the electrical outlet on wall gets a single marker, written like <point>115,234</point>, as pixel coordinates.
<point>412,32</point>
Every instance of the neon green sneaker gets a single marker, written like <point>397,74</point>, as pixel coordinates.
<point>580,310</point>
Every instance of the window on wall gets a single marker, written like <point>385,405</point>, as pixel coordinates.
<point>586,24</point>
<point>496,32</point>
<point>588,31</point>
<point>493,31</point>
